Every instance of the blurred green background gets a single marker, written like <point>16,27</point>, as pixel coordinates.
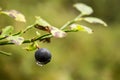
<point>79,56</point>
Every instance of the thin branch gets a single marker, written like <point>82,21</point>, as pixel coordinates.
<point>5,53</point>
<point>2,38</point>
<point>71,22</point>
<point>67,24</point>
<point>35,39</point>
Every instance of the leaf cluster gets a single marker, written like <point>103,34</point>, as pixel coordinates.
<point>8,37</point>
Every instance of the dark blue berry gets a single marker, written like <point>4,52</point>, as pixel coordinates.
<point>42,56</point>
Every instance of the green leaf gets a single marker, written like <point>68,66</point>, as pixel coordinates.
<point>41,22</point>
<point>94,20</point>
<point>5,53</point>
<point>7,31</point>
<point>44,25</point>
<point>15,39</point>
<point>83,8</point>
<point>32,46</point>
<point>78,27</point>
<point>15,14</point>
<point>57,32</point>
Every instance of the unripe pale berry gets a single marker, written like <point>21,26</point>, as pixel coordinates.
<point>42,56</point>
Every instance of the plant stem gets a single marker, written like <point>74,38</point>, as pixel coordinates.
<point>71,22</point>
<point>2,38</point>
<point>28,28</point>
<point>19,33</point>
<point>5,53</point>
<point>35,39</point>
<point>27,41</point>
<point>67,24</point>
<point>41,37</point>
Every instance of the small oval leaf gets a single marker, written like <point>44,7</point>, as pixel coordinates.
<point>15,39</point>
<point>94,20</point>
<point>83,8</point>
<point>7,31</point>
<point>57,33</point>
<point>41,22</point>
<point>78,27</point>
<point>45,26</point>
<point>15,14</point>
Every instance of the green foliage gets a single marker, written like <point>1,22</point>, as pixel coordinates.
<point>94,20</point>
<point>45,26</point>
<point>78,27</point>
<point>15,39</point>
<point>14,14</point>
<point>41,24</point>
<point>6,31</point>
<point>83,8</point>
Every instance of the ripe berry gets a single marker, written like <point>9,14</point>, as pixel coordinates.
<point>42,56</point>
